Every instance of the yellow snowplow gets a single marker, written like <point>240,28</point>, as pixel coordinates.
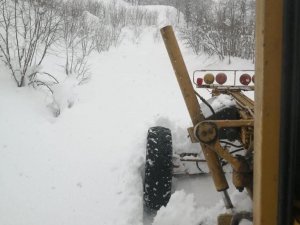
<point>225,126</point>
<point>267,129</point>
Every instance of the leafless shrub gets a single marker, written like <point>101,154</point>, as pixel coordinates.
<point>140,17</point>
<point>76,39</point>
<point>27,30</point>
<point>225,28</point>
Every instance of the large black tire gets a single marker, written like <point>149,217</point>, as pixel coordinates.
<point>158,168</point>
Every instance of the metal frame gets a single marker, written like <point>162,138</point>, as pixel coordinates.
<point>235,71</point>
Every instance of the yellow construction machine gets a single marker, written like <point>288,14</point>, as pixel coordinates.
<point>267,130</point>
<point>217,127</point>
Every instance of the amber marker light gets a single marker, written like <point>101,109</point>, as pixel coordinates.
<point>209,78</point>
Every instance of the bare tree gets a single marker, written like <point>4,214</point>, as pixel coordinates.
<point>224,28</point>
<point>27,30</point>
<point>79,37</point>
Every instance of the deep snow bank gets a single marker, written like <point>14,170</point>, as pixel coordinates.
<point>183,209</point>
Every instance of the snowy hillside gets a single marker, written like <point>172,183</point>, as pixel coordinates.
<point>85,166</point>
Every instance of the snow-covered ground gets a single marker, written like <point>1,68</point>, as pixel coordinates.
<point>85,166</point>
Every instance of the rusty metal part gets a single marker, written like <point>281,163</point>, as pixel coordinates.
<point>247,137</point>
<point>192,136</point>
<point>246,112</point>
<point>239,216</point>
<point>215,168</point>
<point>242,173</point>
<point>232,123</point>
<point>225,219</point>
<point>225,154</point>
<point>192,103</point>
<point>234,218</point>
<point>206,132</point>
<point>223,88</point>
<point>247,129</point>
<point>243,100</point>
<point>195,133</point>
<point>243,179</point>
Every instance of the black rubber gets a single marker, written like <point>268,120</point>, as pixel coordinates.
<point>289,158</point>
<point>158,168</point>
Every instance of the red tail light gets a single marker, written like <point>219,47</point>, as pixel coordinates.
<point>199,81</point>
<point>221,78</point>
<point>245,79</point>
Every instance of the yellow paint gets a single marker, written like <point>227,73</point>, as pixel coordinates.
<point>267,110</point>
<point>192,104</point>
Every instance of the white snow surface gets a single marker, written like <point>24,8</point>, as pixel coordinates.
<point>85,166</point>
<point>217,103</point>
<point>183,209</point>
<point>223,101</point>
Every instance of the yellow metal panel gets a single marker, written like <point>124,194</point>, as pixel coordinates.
<point>192,104</point>
<point>267,110</point>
